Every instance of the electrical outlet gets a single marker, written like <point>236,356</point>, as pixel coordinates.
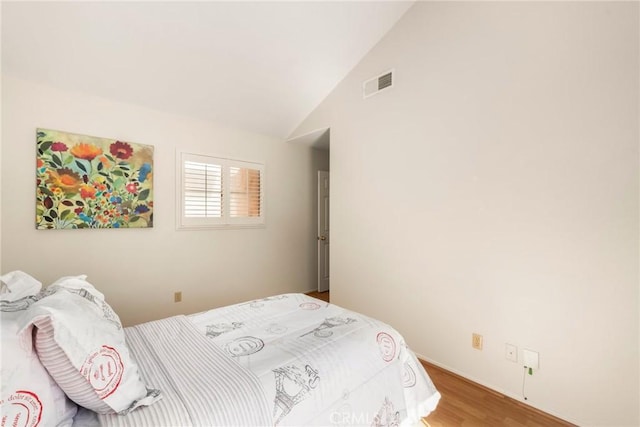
<point>177,297</point>
<point>511,352</point>
<point>531,359</point>
<point>476,341</point>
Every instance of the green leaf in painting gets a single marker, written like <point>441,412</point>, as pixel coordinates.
<point>44,146</point>
<point>48,219</point>
<point>81,166</point>
<point>56,160</point>
<point>46,191</point>
<point>53,214</point>
<point>117,172</point>
<point>143,194</point>
<point>65,214</point>
<point>40,134</point>
<point>100,166</point>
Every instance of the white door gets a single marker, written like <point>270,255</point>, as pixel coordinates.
<point>323,231</point>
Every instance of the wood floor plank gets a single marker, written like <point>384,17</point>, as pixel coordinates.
<point>465,403</point>
<point>324,296</point>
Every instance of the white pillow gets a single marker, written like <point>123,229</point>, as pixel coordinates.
<point>80,341</point>
<point>18,284</point>
<point>28,394</point>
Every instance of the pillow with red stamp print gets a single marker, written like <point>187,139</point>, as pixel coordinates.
<point>80,340</point>
<point>29,397</point>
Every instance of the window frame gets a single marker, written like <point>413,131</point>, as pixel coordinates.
<point>225,221</point>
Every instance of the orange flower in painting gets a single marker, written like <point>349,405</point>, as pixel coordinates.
<point>65,179</point>
<point>39,163</point>
<point>105,162</point>
<point>87,192</point>
<point>86,151</point>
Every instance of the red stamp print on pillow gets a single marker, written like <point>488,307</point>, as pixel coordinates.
<point>21,409</point>
<point>309,306</point>
<point>387,346</point>
<point>103,369</point>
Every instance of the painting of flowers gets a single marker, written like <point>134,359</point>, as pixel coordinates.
<point>89,182</point>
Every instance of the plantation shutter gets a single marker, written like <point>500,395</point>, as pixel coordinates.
<point>202,190</point>
<point>245,198</point>
<point>216,192</point>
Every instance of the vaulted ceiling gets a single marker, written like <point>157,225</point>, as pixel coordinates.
<point>260,66</point>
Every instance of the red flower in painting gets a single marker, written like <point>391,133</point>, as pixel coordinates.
<point>121,150</point>
<point>85,151</point>
<point>132,188</point>
<point>59,146</point>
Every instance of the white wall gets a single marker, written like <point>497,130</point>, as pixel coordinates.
<point>139,269</point>
<point>494,189</point>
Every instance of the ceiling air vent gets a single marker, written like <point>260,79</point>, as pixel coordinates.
<point>377,84</point>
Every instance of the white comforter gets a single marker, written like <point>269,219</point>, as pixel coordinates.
<point>283,360</point>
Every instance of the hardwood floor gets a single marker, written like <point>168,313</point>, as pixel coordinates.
<point>324,296</point>
<point>465,403</point>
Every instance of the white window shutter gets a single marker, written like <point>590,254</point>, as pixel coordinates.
<point>218,192</point>
<point>202,190</point>
<point>245,198</point>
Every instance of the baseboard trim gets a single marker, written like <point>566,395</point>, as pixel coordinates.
<point>515,399</point>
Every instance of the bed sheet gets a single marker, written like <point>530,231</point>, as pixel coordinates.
<point>302,361</point>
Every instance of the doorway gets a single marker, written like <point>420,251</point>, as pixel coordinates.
<point>323,231</point>
<point>319,142</point>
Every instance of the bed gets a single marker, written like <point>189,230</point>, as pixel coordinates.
<point>283,360</point>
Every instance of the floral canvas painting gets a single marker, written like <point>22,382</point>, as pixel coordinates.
<point>89,182</point>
